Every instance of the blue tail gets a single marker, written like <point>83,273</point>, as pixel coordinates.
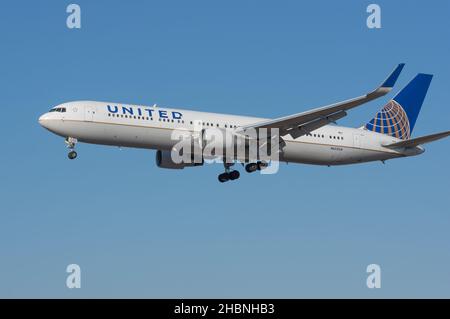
<point>398,117</point>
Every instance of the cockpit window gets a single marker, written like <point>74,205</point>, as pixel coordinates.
<point>58,109</point>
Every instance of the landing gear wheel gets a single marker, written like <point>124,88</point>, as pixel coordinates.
<point>251,167</point>
<point>261,165</point>
<point>71,142</point>
<point>224,177</point>
<point>234,175</point>
<point>72,155</point>
<point>228,175</point>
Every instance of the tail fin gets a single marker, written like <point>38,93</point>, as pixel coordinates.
<point>399,115</point>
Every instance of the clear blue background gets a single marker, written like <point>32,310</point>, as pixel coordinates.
<point>140,231</point>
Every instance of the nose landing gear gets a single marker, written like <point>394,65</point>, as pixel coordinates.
<point>71,142</point>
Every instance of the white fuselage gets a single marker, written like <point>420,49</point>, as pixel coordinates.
<point>152,127</point>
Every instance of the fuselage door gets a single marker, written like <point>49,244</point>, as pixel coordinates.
<point>89,112</point>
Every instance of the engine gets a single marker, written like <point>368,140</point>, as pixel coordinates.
<point>164,160</point>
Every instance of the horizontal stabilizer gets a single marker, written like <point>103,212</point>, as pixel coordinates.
<point>419,140</point>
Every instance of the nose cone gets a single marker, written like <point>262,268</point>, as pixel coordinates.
<point>53,122</point>
<point>43,120</point>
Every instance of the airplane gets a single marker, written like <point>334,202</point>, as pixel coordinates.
<point>310,137</point>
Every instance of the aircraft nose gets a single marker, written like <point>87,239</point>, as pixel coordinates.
<point>43,119</point>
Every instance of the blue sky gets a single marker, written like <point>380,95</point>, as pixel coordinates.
<point>139,231</point>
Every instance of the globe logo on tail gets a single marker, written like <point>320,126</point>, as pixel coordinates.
<point>391,120</point>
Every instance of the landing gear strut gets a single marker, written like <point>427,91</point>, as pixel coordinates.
<point>71,142</point>
<point>228,175</point>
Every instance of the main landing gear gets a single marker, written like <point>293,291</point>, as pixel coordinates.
<point>231,175</point>
<point>253,167</point>
<point>71,142</point>
<point>228,175</point>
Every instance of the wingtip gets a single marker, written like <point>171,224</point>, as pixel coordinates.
<point>392,78</point>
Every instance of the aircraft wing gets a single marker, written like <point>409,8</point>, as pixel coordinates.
<point>419,140</point>
<point>305,122</point>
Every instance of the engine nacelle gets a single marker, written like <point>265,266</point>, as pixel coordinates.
<point>164,160</point>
